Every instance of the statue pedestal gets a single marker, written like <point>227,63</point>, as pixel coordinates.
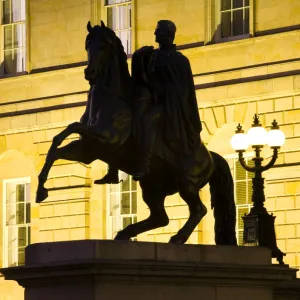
<point>113,270</point>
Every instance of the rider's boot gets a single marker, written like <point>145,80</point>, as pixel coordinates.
<point>142,166</point>
<point>145,154</point>
<point>112,177</point>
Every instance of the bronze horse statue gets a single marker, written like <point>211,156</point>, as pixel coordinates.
<point>108,136</point>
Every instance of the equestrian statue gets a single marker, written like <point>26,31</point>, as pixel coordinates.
<point>147,124</point>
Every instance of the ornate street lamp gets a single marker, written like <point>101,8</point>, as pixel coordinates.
<point>259,227</point>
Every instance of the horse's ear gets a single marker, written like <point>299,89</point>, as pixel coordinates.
<point>102,24</point>
<point>89,26</point>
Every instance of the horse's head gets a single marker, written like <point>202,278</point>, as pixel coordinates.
<point>100,43</point>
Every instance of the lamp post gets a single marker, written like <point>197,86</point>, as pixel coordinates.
<point>259,227</point>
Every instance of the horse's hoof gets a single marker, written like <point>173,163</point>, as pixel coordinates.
<point>122,237</point>
<point>41,195</point>
<point>108,179</point>
<point>175,239</point>
<point>178,239</point>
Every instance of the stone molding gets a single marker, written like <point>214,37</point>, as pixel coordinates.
<point>102,269</point>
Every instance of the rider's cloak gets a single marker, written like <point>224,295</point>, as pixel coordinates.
<point>170,77</point>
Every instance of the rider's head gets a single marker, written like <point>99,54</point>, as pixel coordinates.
<point>165,32</point>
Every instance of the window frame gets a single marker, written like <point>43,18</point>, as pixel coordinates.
<point>130,29</point>
<point>26,40</point>
<point>248,206</point>
<point>19,180</point>
<point>213,19</point>
<point>119,216</point>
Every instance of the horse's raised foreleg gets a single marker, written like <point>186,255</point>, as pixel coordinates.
<point>158,216</point>
<point>55,153</point>
<point>42,192</point>
<point>190,194</point>
<point>74,151</point>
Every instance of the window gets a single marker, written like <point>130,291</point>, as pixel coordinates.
<point>234,18</point>
<point>16,198</point>
<point>122,205</point>
<point>242,192</point>
<point>13,36</point>
<point>119,19</point>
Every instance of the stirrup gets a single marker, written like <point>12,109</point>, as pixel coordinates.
<point>109,178</point>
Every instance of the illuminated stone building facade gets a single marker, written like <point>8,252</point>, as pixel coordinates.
<point>245,57</point>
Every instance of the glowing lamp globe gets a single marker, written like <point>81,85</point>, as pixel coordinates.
<point>257,136</point>
<point>275,137</point>
<point>239,142</point>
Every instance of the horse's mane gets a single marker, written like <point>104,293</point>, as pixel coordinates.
<point>107,35</point>
<point>122,54</point>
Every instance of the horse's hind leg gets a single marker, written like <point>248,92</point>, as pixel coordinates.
<point>190,194</point>
<point>72,151</point>
<point>158,216</point>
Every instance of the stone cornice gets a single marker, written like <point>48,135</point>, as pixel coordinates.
<point>148,272</point>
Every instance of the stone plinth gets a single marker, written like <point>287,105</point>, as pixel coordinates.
<point>112,270</point>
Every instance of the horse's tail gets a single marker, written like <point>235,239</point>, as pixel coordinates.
<point>222,201</point>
